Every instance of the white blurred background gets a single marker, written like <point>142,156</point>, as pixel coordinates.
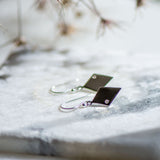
<point>139,29</point>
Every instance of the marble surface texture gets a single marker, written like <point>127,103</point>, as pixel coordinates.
<point>130,128</point>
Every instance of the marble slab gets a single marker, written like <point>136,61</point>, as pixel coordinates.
<point>29,113</point>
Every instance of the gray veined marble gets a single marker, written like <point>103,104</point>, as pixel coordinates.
<point>31,122</point>
<point>142,145</point>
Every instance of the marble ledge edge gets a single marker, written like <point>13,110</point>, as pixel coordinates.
<point>139,146</point>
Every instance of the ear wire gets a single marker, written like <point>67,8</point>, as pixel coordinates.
<point>84,104</point>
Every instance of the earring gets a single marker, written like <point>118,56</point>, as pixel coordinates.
<point>103,98</point>
<point>93,83</point>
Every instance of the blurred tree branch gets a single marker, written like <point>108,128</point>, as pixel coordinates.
<point>64,28</point>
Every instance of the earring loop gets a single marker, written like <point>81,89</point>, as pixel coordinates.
<point>103,98</point>
<point>92,85</point>
<point>63,107</point>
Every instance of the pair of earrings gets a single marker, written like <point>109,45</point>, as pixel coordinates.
<point>96,83</point>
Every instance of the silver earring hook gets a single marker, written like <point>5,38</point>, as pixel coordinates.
<point>75,89</point>
<point>70,90</point>
<point>63,107</point>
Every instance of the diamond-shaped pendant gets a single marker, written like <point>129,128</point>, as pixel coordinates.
<point>105,95</point>
<point>96,81</point>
